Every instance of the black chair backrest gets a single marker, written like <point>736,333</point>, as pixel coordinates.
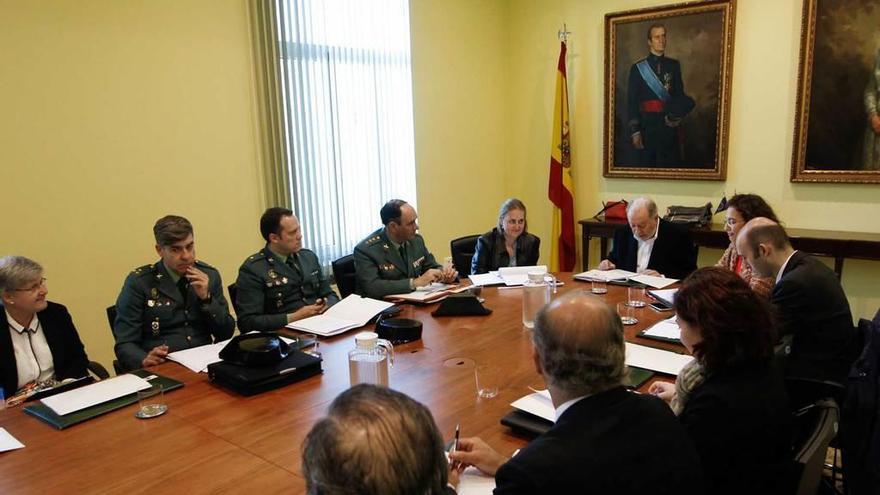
<point>343,272</point>
<point>463,250</point>
<point>111,319</point>
<point>233,291</point>
<point>860,415</point>
<point>815,427</point>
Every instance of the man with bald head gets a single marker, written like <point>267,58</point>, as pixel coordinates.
<point>811,306</point>
<point>606,439</point>
<point>650,245</point>
<point>394,259</point>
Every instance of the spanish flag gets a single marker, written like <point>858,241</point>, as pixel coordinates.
<point>561,188</point>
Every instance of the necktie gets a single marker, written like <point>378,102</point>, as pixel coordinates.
<point>181,286</point>
<point>293,262</point>
<point>402,251</point>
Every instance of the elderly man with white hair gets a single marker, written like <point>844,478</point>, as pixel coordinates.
<point>650,245</point>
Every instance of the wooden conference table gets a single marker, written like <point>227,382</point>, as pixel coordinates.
<point>214,441</point>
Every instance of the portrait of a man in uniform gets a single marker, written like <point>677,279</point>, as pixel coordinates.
<point>667,76</point>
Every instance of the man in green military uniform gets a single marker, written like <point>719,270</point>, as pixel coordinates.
<point>174,304</point>
<point>283,282</point>
<point>394,259</point>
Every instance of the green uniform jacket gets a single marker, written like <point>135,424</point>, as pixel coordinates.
<point>151,311</point>
<point>380,269</point>
<point>268,289</point>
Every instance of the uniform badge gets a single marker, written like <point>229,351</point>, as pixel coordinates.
<point>154,293</point>
<point>151,302</point>
<point>269,284</point>
<point>272,274</point>
<point>155,326</point>
<point>418,262</point>
<point>283,280</point>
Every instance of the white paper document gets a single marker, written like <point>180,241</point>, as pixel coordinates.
<point>665,329</point>
<point>606,275</point>
<point>491,278</point>
<point>198,358</point>
<point>96,393</point>
<point>517,275</point>
<point>537,403</point>
<point>352,312</point>
<point>652,359</point>
<point>9,442</point>
<point>652,281</point>
<point>666,296</point>
<point>473,482</point>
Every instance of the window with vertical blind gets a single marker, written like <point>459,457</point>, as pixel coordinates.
<point>346,82</point>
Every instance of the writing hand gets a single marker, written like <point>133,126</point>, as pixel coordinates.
<point>157,355</point>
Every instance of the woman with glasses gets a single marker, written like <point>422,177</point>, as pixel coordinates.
<point>731,398</point>
<point>740,209</point>
<point>508,244</point>
<point>40,344</point>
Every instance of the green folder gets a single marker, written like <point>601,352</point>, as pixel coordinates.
<point>638,376</point>
<point>49,416</point>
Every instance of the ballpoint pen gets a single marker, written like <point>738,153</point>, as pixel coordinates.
<point>455,443</point>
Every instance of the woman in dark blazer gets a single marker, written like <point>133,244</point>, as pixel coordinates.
<point>731,398</point>
<point>39,342</point>
<point>508,244</point>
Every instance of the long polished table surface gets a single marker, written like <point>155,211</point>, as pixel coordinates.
<point>214,441</point>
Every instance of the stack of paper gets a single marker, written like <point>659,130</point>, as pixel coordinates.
<point>474,482</point>
<point>664,329</point>
<point>652,281</point>
<point>491,278</point>
<point>649,358</point>
<point>96,393</point>
<point>198,358</point>
<point>537,403</point>
<point>352,312</point>
<point>605,275</point>
<point>9,442</point>
<point>666,296</point>
<point>518,275</point>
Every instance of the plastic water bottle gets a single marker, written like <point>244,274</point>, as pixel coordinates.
<point>369,361</point>
<point>536,293</point>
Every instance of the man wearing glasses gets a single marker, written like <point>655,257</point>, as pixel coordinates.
<point>174,304</point>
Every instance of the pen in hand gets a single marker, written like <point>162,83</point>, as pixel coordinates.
<point>455,444</point>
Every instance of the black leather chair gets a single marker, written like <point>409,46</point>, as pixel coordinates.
<point>233,291</point>
<point>815,427</point>
<point>111,319</point>
<point>463,250</point>
<point>343,273</point>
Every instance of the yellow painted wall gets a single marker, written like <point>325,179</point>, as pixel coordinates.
<point>460,98</point>
<point>114,114</point>
<point>761,125</point>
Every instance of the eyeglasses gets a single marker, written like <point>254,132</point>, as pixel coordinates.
<point>37,286</point>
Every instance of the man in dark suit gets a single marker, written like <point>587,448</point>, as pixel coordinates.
<point>650,245</point>
<point>606,439</point>
<point>811,306</point>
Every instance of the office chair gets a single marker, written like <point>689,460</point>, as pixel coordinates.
<point>233,291</point>
<point>98,370</point>
<point>344,274</point>
<point>815,427</point>
<point>463,250</point>
<point>111,318</point>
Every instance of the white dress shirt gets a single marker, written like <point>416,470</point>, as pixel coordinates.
<point>643,255</point>
<point>565,405</point>
<point>33,358</point>
<point>782,268</point>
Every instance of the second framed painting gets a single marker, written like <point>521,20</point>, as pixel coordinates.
<point>667,91</point>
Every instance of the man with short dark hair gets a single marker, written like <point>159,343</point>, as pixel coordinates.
<point>811,306</point>
<point>394,259</point>
<point>282,282</point>
<point>375,441</point>
<point>605,438</point>
<point>174,304</point>
<point>650,245</point>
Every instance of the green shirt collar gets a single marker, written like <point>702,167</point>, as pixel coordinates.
<point>278,255</point>
<point>171,273</point>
